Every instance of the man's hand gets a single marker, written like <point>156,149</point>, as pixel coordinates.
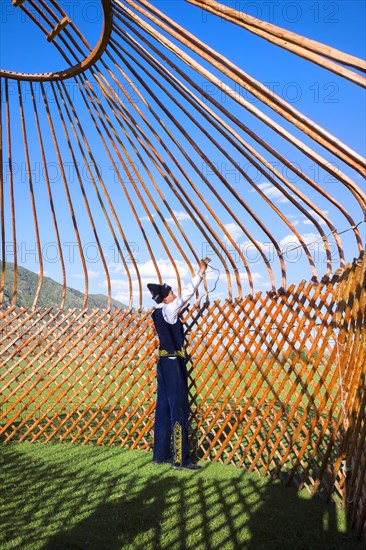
<point>203,265</point>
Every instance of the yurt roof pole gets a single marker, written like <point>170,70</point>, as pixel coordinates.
<point>306,150</point>
<point>311,50</point>
<point>259,90</point>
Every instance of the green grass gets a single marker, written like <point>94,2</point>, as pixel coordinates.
<point>69,496</point>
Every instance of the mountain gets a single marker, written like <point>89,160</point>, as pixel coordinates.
<point>50,294</point>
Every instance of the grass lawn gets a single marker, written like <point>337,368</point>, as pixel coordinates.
<point>61,496</point>
<point>34,385</point>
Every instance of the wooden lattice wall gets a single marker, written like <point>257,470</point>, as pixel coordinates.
<point>277,379</point>
<point>277,382</point>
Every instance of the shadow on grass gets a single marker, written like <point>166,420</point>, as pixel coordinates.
<point>67,496</point>
<point>117,524</point>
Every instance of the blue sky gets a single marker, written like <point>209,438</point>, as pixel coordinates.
<point>334,103</point>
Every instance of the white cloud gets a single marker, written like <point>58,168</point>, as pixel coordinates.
<point>120,285</point>
<point>291,241</point>
<point>117,268</point>
<point>166,268</point>
<point>234,230</point>
<point>121,290</point>
<point>256,276</point>
<point>146,218</point>
<point>91,274</point>
<point>181,216</point>
<point>293,219</point>
<point>258,282</point>
<point>147,270</point>
<point>272,192</point>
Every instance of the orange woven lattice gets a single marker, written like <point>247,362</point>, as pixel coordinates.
<point>275,381</point>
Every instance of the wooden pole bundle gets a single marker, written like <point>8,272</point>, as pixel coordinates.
<point>312,50</point>
<point>139,53</point>
<point>255,87</point>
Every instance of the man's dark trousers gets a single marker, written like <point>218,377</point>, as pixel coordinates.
<point>172,411</point>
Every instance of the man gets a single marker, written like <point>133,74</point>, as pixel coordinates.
<point>172,406</point>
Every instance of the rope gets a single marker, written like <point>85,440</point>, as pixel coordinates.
<point>215,284</point>
<point>275,327</point>
<point>350,228</point>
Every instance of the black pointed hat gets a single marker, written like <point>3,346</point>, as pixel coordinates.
<point>159,292</point>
